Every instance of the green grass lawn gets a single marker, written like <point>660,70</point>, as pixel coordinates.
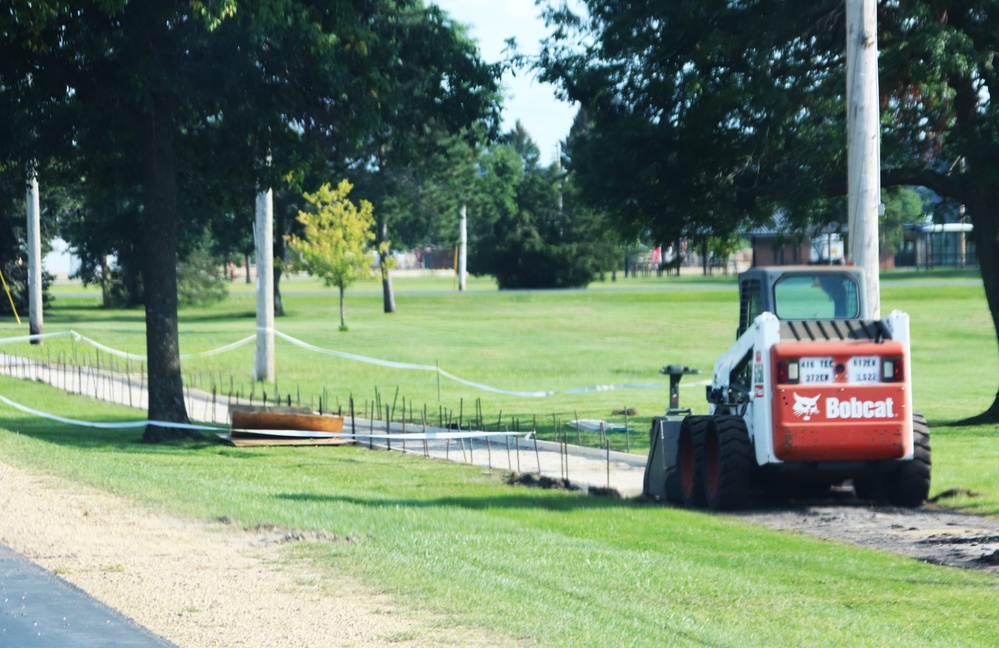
<point>536,341</point>
<point>541,567</point>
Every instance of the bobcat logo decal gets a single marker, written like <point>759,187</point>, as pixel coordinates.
<point>806,406</point>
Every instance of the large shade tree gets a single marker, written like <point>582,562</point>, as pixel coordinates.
<point>706,115</point>
<point>190,106</point>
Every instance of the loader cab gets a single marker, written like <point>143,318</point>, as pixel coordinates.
<point>801,293</point>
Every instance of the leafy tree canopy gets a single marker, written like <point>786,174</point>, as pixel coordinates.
<point>173,111</point>
<point>529,230</point>
<point>709,115</point>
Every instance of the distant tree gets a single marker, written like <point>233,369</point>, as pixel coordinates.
<point>903,206</point>
<point>529,229</point>
<point>201,276</point>
<point>336,239</point>
<point>421,198</point>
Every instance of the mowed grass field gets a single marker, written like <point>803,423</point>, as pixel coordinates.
<point>461,547</point>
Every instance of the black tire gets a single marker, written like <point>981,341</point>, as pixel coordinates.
<point>909,485</point>
<point>691,459</point>
<point>728,463</point>
<point>673,484</point>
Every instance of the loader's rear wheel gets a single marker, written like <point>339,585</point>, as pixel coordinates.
<point>691,459</point>
<point>728,463</point>
<point>909,485</point>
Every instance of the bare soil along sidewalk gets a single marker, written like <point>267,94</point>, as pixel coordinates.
<point>929,533</point>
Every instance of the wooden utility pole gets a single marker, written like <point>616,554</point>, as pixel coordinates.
<point>462,247</point>
<point>558,173</point>
<point>263,238</point>
<point>34,259</point>
<point>864,146</point>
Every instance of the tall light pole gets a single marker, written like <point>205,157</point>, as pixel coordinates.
<point>864,146</point>
<point>462,247</point>
<point>34,259</point>
<point>263,238</point>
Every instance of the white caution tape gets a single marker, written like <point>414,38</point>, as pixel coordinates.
<point>228,347</point>
<point>107,426</point>
<point>430,435</point>
<point>403,365</point>
<point>124,354</point>
<point>600,388</point>
<point>536,394</point>
<point>400,436</point>
<point>109,350</point>
<point>445,374</point>
<point>39,336</point>
<point>351,356</point>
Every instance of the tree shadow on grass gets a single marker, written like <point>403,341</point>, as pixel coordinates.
<point>82,437</point>
<point>988,422</point>
<point>518,497</point>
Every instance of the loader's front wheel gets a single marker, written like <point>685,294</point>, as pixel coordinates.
<point>728,463</point>
<point>673,481</point>
<point>691,459</point>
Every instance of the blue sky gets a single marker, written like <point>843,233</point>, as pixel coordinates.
<point>491,22</point>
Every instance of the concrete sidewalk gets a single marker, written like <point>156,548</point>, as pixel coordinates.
<point>584,467</point>
<point>581,466</point>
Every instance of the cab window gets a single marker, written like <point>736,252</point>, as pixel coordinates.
<point>817,296</point>
<point>749,303</point>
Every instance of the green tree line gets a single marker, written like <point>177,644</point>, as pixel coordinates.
<point>157,123</point>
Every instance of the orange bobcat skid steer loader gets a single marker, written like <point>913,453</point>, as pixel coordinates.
<point>809,396</point>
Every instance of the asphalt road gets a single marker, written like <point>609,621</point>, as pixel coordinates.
<point>39,609</point>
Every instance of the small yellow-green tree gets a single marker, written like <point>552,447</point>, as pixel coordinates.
<point>337,237</point>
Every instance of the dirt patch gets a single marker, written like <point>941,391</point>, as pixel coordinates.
<point>928,533</point>
<point>270,534</point>
<point>532,480</point>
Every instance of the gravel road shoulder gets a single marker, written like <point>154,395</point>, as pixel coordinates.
<point>200,584</point>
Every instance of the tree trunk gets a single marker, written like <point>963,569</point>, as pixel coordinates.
<point>278,306</point>
<point>105,286</point>
<point>985,219</point>
<point>159,271</point>
<point>388,295</point>
<point>343,317</point>
<point>130,266</point>
<point>279,225</point>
